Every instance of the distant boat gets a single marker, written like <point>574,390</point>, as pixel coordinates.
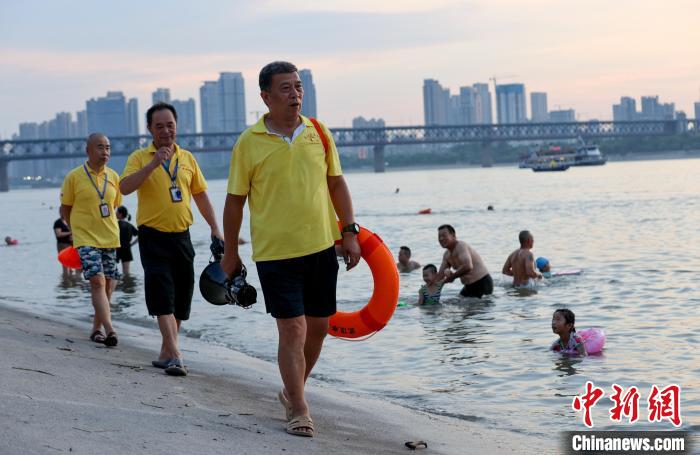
<point>553,166</point>
<point>584,155</point>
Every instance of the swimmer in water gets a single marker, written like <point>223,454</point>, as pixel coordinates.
<point>405,263</point>
<point>544,267</point>
<point>521,264</point>
<point>10,241</point>
<point>569,342</point>
<point>429,293</point>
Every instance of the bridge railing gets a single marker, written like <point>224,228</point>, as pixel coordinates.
<point>11,150</point>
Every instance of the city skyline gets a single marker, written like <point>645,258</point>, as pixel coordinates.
<point>582,59</point>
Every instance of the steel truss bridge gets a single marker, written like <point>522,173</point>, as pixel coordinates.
<point>377,138</point>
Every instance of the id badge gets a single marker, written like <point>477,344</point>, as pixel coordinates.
<point>104,210</point>
<point>175,194</point>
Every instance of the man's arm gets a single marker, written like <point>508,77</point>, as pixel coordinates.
<point>233,218</point>
<point>443,267</point>
<point>508,266</point>
<point>65,213</point>
<point>207,211</point>
<point>420,297</point>
<point>465,259</point>
<point>530,270</point>
<point>133,182</point>
<point>342,203</point>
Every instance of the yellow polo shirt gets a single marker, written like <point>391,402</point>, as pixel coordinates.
<point>88,226</point>
<point>156,208</point>
<point>291,213</point>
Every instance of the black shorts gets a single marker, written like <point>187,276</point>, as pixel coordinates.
<point>479,288</point>
<point>167,259</point>
<point>303,286</point>
<point>124,254</point>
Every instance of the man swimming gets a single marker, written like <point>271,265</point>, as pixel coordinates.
<point>521,263</point>
<point>466,262</point>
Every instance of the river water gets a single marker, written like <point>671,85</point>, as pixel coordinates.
<point>632,227</point>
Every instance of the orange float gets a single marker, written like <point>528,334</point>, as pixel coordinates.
<point>427,211</point>
<point>70,258</point>
<point>385,296</point>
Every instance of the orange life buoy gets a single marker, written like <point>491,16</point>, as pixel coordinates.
<point>70,258</point>
<point>385,296</point>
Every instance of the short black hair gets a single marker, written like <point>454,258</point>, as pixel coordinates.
<point>269,70</point>
<point>430,267</point>
<point>159,106</point>
<point>569,317</point>
<point>406,249</point>
<point>449,228</point>
<point>523,236</point>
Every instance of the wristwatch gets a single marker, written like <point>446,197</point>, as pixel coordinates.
<point>352,228</point>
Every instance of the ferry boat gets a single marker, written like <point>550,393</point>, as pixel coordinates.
<point>584,155</point>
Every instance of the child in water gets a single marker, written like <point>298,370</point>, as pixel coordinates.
<point>569,342</point>
<point>544,267</point>
<point>126,232</point>
<point>429,293</point>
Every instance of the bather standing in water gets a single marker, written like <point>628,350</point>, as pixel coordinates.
<point>462,261</point>
<point>521,263</point>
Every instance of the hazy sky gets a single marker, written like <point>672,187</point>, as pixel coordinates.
<point>368,57</point>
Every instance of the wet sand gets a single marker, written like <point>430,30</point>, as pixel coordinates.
<point>62,393</point>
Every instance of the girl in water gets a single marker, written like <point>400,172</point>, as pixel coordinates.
<point>126,232</point>
<point>569,341</point>
<point>429,293</point>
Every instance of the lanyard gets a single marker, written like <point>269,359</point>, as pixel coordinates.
<point>173,176</point>
<point>104,187</point>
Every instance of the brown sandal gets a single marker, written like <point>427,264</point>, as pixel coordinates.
<point>97,336</point>
<point>111,339</point>
<point>301,426</point>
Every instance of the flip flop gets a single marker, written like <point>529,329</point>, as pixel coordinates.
<point>162,364</point>
<point>111,339</point>
<point>301,426</point>
<point>413,445</point>
<point>176,368</point>
<point>287,405</point>
<point>97,336</point>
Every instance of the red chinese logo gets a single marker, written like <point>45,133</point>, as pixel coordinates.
<point>627,405</point>
<point>665,404</point>
<point>587,401</point>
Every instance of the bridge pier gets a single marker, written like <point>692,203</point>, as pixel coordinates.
<point>4,177</point>
<point>379,165</point>
<point>486,154</point>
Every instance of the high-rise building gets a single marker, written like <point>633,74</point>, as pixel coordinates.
<point>223,104</point>
<point>60,126</point>
<point>562,116</point>
<point>186,116</point>
<point>161,95</point>
<point>436,102</point>
<point>510,100</point>
<point>626,111</point>
<point>454,111</point>
<point>209,105</point>
<point>79,127</point>
<point>538,107</point>
<point>482,104</point>
<point>108,115</point>
<point>697,112</point>
<point>308,106</point>
<point>132,117</point>
<point>467,102</point>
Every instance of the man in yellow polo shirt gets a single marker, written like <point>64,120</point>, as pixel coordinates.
<point>166,177</point>
<point>89,194</point>
<point>295,189</point>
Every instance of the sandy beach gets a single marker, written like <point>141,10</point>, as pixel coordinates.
<point>61,393</point>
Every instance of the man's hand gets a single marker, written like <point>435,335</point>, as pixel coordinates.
<point>449,276</point>
<point>351,250</point>
<point>231,264</point>
<point>162,154</point>
<point>215,232</point>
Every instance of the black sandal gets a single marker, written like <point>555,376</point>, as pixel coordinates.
<point>97,336</point>
<point>111,339</point>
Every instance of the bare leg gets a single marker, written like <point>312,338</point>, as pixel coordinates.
<point>292,365</point>
<point>169,327</point>
<point>316,330</point>
<point>111,285</point>
<point>100,301</point>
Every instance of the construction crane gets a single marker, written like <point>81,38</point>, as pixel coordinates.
<point>494,79</point>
